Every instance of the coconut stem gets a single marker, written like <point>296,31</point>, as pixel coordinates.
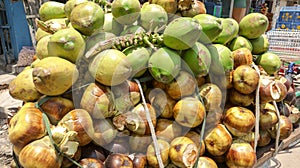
<point>147,42</point>
<point>44,26</point>
<point>98,47</point>
<point>121,43</point>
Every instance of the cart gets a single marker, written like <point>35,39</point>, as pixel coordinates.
<point>285,43</point>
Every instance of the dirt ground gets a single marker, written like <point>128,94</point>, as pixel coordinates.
<point>8,107</point>
<point>5,146</point>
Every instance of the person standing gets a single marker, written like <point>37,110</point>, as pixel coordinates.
<point>239,10</point>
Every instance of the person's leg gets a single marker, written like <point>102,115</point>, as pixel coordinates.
<point>239,10</point>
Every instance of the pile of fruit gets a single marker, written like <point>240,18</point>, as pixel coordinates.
<point>158,84</point>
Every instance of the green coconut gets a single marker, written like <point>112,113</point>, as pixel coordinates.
<point>32,65</point>
<point>110,67</point>
<point>53,76</point>
<point>39,34</point>
<point>253,25</point>
<point>87,18</point>
<point>126,12</point>
<point>260,45</point>
<point>51,10</point>
<point>66,43</point>
<point>41,50</point>
<point>164,65</point>
<point>222,60</point>
<point>211,27</point>
<point>153,17</point>
<point>240,42</point>
<point>138,58</point>
<point>23,88</point>
<point>182,33</point>
<point>270,62</point>
<point>70,5</point>
<point>230,29</point>
<point>111,25</point>
<point>198,59</point>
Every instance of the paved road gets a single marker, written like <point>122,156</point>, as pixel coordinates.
<point>288,158</point>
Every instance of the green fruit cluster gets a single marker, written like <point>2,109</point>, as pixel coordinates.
<point>111,58</point>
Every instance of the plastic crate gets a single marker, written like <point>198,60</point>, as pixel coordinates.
<point>295,26</point>
<point>290,8</point>
<point>296,17</point>
<point>283,25</point>
<point>289,14</point>
<point>286,16</point>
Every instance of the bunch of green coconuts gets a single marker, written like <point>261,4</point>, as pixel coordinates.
<point>118,81</point>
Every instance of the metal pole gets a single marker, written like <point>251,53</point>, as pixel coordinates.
<point>231,8</point>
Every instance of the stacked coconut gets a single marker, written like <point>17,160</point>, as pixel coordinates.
<point>128,85</point>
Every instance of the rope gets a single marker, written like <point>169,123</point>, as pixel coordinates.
<point>278,130</point>
<point>202,129</point>
<point>78,88</point>
<point>16,160</point>
<point>152,130</point>
<point>257,110</point>
<point>48,129</point>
